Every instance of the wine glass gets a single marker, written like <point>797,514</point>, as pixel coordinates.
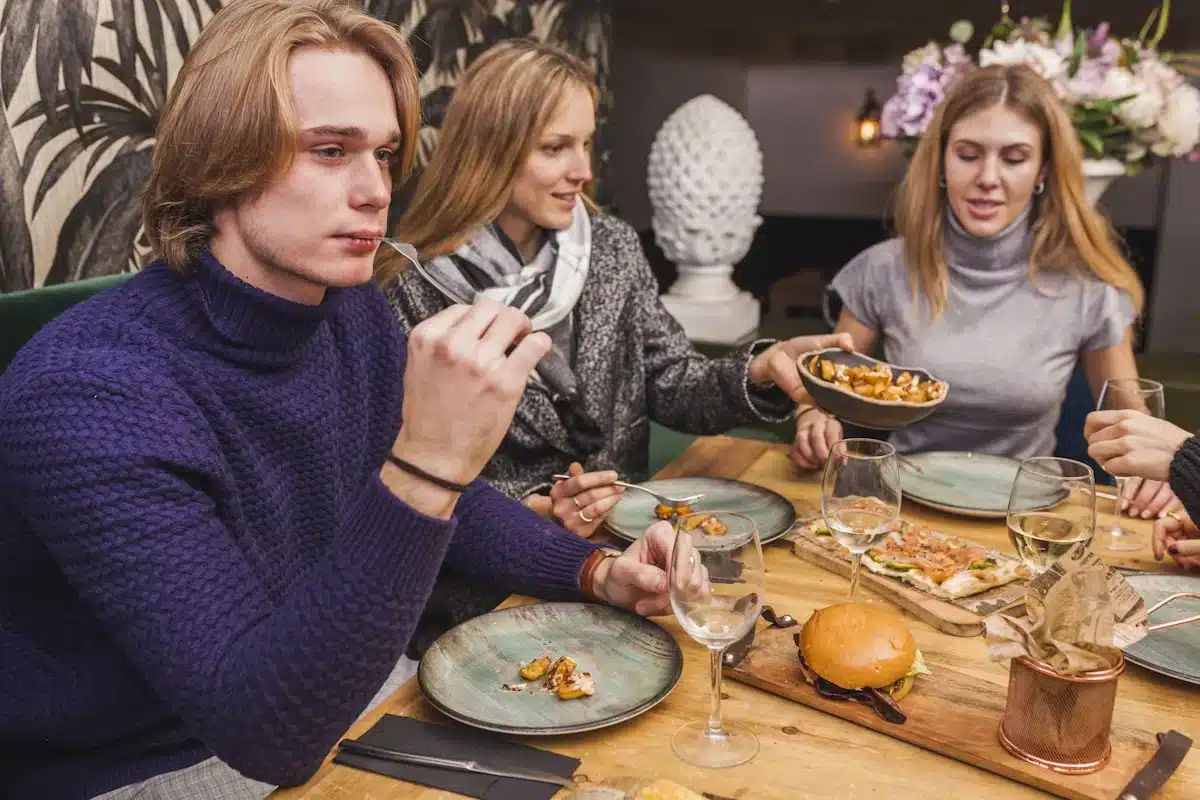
<point>716,580</point>
<point>1051,509</point>
<point>860,496</point>
<point>1136,394</point>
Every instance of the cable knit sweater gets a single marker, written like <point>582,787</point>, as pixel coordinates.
<point>1185,476</point>
<point>197,555</point>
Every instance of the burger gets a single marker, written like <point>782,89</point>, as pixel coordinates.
<point>854,651</point>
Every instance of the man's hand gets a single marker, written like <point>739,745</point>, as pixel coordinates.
<point>1179,538</point>
<point>467,369</point>
<point>777,364</point>
<point>637,580</point>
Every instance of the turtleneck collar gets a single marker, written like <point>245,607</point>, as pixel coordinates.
<point>993,259</point>
<point>253,320</point>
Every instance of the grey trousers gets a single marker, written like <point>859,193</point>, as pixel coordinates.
<point>213,779</point>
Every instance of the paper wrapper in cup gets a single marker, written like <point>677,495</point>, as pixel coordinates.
<point>1066,659</point>
<point>1079,615</point>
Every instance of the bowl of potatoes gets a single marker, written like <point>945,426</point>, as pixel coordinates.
<point>867,392</point>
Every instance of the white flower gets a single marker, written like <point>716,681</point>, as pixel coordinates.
<point>930,52</point>
<point>1045,61</point>
<point>1179,125</point>
<point>1143,108</point>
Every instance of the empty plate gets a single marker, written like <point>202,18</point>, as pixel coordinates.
<point>1174,652</point>
<point>969,484</point>
<point>773,513</point>
<point>634,664</point>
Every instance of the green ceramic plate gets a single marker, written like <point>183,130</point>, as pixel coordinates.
<point>1174,652</point>
<point>634,663</point>
<point>968,484</point>
<point>772,512</point>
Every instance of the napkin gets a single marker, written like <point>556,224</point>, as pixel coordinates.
<point>426,739</point>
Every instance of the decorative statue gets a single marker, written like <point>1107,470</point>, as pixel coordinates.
<point>705,179</point>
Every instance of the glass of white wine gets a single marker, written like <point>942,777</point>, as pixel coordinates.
<point>1133,394</point>
<point>860,496</point>
<point>715,581</point>
<point>1051,509</point>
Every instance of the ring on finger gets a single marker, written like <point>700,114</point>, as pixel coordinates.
<point>575,500</point>
<point>585,517</point>
<point>1174,514</point>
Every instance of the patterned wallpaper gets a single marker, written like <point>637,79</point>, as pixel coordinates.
<point>82,83</point>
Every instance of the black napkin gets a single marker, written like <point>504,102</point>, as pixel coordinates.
<point>426,739</point>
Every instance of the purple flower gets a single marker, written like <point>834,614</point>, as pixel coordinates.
<point>1099,36</point>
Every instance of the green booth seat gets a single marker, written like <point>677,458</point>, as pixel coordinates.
<point>22,314</point>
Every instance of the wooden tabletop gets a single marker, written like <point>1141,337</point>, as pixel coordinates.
<point>804,753</point>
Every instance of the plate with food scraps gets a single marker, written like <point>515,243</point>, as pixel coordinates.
<point>868,392</point>
<point>550,669</point>
<point>967,484</point>
<point>773,513</point>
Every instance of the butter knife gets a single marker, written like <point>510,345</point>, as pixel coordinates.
<point>1172,747</point>
<point>387,754</point>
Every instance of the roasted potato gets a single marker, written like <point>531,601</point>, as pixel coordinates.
<point>535,669</point>
<point>877,382</point>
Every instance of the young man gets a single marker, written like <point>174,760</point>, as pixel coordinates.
<point>220,522</point>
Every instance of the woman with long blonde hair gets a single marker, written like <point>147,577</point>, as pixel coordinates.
<point>501,215</point>
<point>1002,279</point>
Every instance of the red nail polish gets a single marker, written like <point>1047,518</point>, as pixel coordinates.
<point>1172,549</point>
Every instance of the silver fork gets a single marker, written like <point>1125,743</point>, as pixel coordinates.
<point>673,502</point>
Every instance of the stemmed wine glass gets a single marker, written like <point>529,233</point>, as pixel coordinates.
<point>860,496</point>
<point>716,580</point>
<point>1135,394</point>
<point>1051,509</point>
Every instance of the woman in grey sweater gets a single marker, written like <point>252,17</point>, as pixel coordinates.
<point>1003,278</point>
<point>500,213</point>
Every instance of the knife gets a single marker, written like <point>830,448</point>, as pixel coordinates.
<point>1172,747</point>
<point>387,754</point>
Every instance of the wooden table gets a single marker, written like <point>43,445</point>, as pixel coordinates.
<point>804,753</point>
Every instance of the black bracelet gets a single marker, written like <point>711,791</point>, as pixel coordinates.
<point>413,469</point>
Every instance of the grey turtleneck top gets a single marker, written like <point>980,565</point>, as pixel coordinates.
<point>1006,346</point>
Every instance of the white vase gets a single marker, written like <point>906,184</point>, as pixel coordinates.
<point>705,178</point>
<point>1098,175</point>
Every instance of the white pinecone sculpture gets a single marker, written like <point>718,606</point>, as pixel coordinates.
<point>705,179</point>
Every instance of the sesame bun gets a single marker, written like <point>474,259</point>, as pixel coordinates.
<point>854,645</point>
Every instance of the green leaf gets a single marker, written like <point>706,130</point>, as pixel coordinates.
<point>1064,23</point>
<point>1141,40</point>
<point>1077,54</point>
<point>1163,19</point>
<point>1092,141</point>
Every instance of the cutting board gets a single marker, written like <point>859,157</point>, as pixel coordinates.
<point>949,712</point>
<point>960,618</point>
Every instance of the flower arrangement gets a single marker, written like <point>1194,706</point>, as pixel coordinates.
<point>1129,102</point>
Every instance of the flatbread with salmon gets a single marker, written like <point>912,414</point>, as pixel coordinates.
<point>942,565</point>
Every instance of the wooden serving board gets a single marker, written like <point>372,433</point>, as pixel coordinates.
<point>958,618</point>
<point>949,712</point>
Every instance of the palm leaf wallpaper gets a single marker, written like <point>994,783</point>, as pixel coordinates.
<point>82,83</point>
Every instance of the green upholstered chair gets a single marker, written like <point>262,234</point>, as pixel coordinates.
<point>22,314</point>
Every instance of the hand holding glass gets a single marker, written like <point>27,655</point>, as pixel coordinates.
<point>1135,394</point>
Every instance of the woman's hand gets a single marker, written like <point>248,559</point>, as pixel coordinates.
<point>816,433</point>
<point>1178,537</point>
<point>1130,444</point>
<point>777,364</point>
<point>1147,499</point>
<point>581,503</point>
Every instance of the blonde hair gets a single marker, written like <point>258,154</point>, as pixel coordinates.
<point>1068,232</point>
<point>502,104</point>
<point>229,126</point>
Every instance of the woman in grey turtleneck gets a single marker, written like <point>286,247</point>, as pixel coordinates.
<point>1002,279</point>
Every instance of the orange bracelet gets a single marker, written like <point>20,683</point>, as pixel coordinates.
<point>587,574</point>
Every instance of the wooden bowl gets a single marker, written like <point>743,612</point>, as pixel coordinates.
<point>866,412</point>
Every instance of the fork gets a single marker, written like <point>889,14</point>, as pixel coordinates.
<point>673,502</point>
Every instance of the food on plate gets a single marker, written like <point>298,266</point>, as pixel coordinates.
<point>877,381</point>
<point>563,678</point>
<point>536,668</point>
<point>856,651</point>
<point>939,564</point>
<point>707,523</point>
<point>663,511</point>
<point>577,684</point>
